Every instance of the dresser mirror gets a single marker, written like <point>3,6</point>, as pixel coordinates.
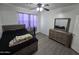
<point>62,24</point>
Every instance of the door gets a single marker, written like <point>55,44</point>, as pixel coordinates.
<point>75,42</point>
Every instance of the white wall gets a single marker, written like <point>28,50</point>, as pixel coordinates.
<point>46,22</point>
<point>8,15</point>
<point>38,22</point>
<point>75,42</point>
<point>47,19</point>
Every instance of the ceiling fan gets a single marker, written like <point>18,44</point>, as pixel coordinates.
<point>41,7</point>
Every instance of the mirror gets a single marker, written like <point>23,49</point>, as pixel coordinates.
<point>62,24</point>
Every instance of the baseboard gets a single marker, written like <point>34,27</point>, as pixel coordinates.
<point>75,50</point>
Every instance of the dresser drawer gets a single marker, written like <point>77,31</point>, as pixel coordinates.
<point>60,36</point>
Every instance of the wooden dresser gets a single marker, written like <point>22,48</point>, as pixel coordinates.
<point>62,37</point>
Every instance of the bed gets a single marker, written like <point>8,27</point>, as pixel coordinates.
<point>9,33</point>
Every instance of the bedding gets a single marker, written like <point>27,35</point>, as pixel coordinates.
<point>20,39</point>
<point>8,36</point>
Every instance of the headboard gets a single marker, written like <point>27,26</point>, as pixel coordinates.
<point>12,27</point>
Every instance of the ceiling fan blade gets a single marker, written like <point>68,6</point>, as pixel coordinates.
<point>46,9</point>
<point>46,4</point>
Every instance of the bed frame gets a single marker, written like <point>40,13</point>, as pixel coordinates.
<point>9,32</point>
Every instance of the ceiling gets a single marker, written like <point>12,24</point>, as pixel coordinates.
<point>51,5</point>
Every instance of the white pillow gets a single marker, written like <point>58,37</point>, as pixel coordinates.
<point>12,42</point>
<point>19,38</point>
<point>22,37</point>
<point>28,36</point>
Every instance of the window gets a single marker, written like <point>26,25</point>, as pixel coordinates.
<point>29,20</point>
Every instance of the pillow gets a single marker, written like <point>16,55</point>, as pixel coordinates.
<point>18,39</point>
<point>12,42</point>
<point>23,37</point>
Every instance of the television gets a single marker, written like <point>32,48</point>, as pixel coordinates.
<point>62,24</point>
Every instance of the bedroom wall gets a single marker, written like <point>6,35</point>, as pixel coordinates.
<point>38,22</point>
<point>9,14</point>
<point>47,19</point>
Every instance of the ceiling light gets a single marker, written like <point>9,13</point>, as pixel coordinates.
<point>38,9</point>
<point>41,9</point>
<point>42,5</point>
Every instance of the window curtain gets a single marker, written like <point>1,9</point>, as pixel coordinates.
<point>29,20</point>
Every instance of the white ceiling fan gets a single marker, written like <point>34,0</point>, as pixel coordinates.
<point>41,7</point>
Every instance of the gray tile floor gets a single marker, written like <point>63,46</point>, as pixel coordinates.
<point>47,46</point>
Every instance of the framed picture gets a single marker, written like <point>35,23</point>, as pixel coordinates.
<point>62,24</point>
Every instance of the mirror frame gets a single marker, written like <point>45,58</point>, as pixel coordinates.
<point>68,24</point>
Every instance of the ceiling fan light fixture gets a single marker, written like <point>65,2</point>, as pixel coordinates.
<point>41,9</point>
<point>42,5</point>
<point>38,9</point>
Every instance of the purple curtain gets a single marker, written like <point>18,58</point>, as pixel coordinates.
<point>26,20</point>
<point>29,20</point>
<point>20,21</point>
<point>35,21</point>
